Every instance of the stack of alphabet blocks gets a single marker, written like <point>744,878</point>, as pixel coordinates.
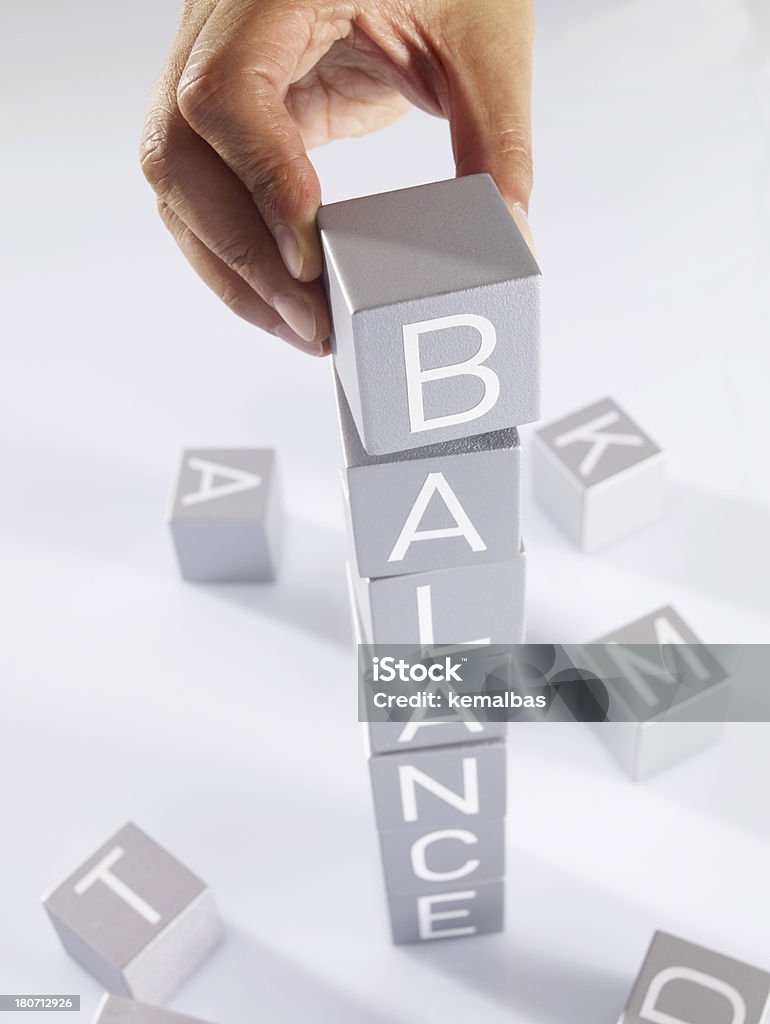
<point>434,297</point>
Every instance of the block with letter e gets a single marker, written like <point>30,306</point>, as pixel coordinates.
<point>681,983</point>
<point>434,296</point>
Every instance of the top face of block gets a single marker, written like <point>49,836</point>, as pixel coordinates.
<point>116,1010</point>
<point>123,896</point>
<point>598,442</point>
<point>661,661</point>
<point>430,240</point>
<point>356,456</point>
<point>216,484</point>
<point>681,983</point>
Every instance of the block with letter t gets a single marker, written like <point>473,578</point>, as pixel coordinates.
<point>434,296</point>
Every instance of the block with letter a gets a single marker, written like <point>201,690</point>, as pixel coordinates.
<point>227,516</point>
<point>434,297</point>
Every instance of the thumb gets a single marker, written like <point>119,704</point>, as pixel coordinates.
<point>488,65</point>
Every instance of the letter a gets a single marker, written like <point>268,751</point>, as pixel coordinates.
<point>472,367</point>
<point>436,483</point>
<point>238,480</point>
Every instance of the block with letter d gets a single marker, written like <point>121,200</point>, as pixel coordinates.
<point>434,296</point>
<point>681,983</point>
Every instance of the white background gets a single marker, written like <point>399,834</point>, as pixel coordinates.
<point>127,694</point>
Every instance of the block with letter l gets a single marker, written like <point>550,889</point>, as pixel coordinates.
<point>434,296</point>
<point>681,983</point>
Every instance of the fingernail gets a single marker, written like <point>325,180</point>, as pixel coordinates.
<point>313,348</point>
<point>289,248</point>
<point>298,314</point>
<point>520,218</point>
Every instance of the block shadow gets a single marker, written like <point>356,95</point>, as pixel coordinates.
<point>310,592</point>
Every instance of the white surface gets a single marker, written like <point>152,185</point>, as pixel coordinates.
<point>128,694</point>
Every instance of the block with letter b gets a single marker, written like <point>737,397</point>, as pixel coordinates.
<point>598,475</point>
<point>117,1010</point>
<point>681,983</point>
<point>135,917</point>
<point>434,297</point>
<point>227,516</point>
<point>667,693</point>
<point>444,505</point>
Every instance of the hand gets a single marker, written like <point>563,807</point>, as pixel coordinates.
<point>250,84</point>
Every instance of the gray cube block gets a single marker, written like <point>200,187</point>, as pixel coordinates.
<point>667,693</point>
<point>116,1010</point>
<point>442,787</point>
<point>227,516</point>
<point>455,912</point>
<point>598,474</point>
<point>418,860</point>
<point>681,983</point>
<point>420,732</point>
<point>470,604</point>
<point>434,296</point>
<point>452,504</point>
<point>135,917</point>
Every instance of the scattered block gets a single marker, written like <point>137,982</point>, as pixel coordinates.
<point>416,860</point>
<point>434,296</point>
<point>116,1010</point>
<point>598,475</point>
<point>681,983</point>
<point>667,692</point>
<point>457,911</point>
<point>135,917</point>
<point>453,504</point>
<point>442,787</point>
<point>473,604</point>
<point>227,515</point>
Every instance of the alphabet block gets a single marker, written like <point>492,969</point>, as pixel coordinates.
<point>227,515</point>
<point>471,604</point>
<point>135,917</point>
<point>667,692</point>
<point>457,911</point>
<point>434,297</point>
<point>444,787</point>
<point>681,983</point>
<point>391,737</point>
<point>416,860</point>
<point>115,1010</point>
<point>452,504</point>
<point>598,475</point>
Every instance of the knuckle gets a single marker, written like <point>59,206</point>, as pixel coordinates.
<point>232,296</point>
<point>156,156</point>
<point>242,256</point>
<point>204,87</point>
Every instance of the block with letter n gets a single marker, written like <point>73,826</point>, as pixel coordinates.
<point>434,296</point>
